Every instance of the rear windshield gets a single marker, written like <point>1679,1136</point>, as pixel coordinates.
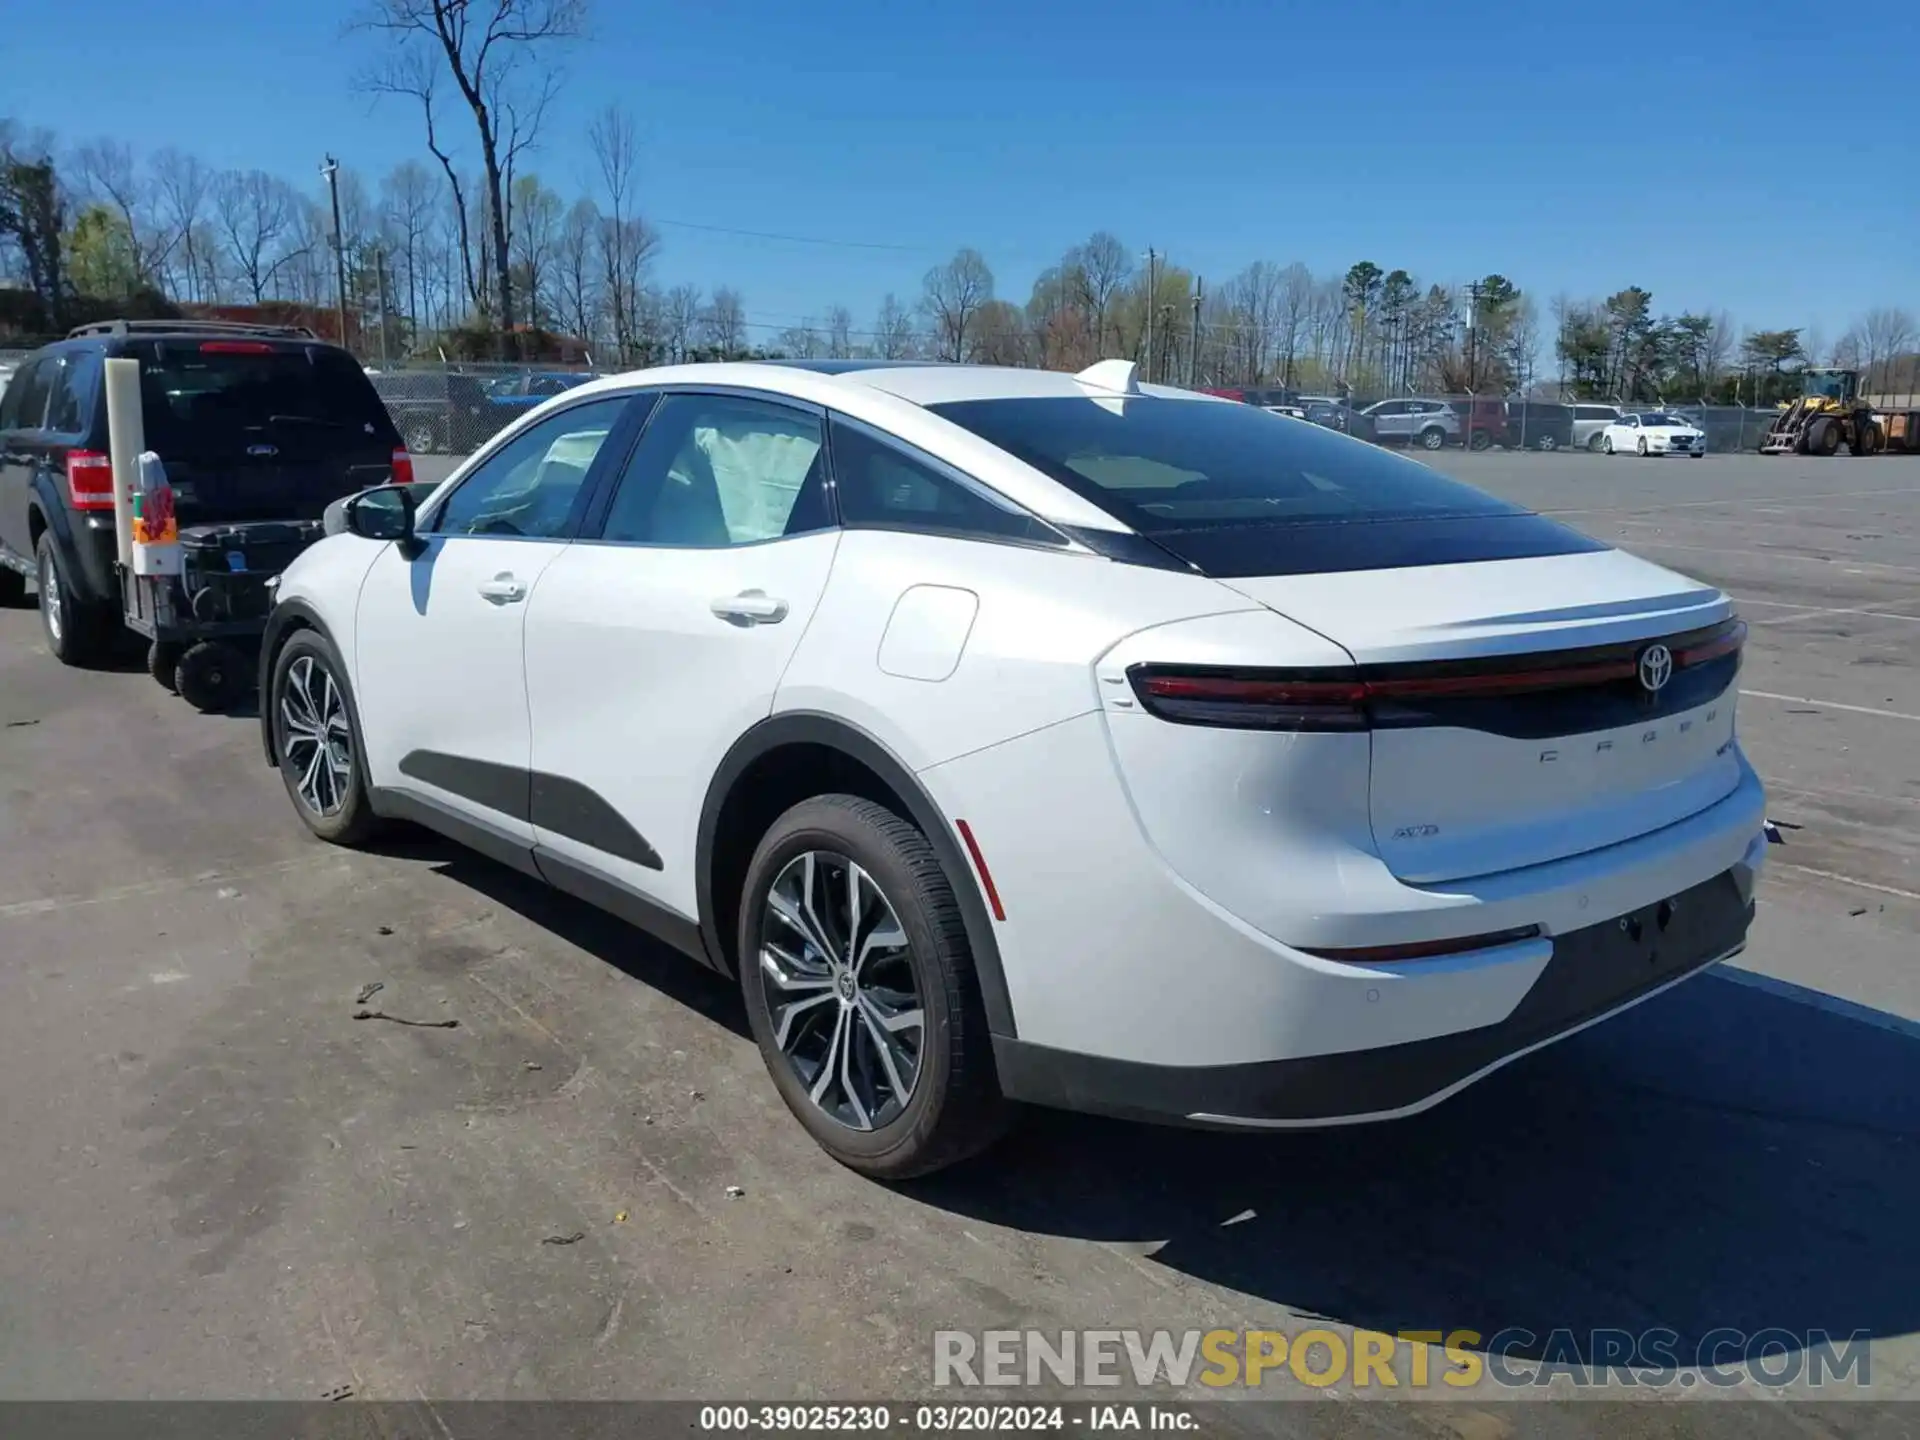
<point>1237,491</point>
<point>196,398</point>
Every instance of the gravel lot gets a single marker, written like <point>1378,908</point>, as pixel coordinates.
<point>219,1184</point>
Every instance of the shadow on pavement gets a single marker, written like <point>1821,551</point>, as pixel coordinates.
<point>1721,1158</point>
<point>631,951</point>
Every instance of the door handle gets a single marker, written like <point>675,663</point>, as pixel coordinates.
<point>503,589</point>
<point>750,607</point>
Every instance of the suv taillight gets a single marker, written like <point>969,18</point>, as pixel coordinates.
<point>402,467</point>
<point>89,480</point>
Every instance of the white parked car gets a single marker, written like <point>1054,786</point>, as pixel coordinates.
<point>1039,737</point>
<point>1653,433</point>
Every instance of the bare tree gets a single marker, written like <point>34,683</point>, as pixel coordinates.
<point>616,151</point>
<point>626,249</point>
<point>185,187</point>
<point>1886,333</point>
<point>536,225</point>
<point>576,278</point>
<point>802,341</point>
<point>723,325</point>
<point>839,333</point>
<point>109,173</point>
<point>493,54</point>
<point>893,330</point>
<point>254,215</point>
<point>1297,294</point>
<point>1103,268</point>
<point>681,318</point>
<point>953,295</point>
<point>409,196</point>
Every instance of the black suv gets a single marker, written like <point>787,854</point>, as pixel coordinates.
<point>253,423</point>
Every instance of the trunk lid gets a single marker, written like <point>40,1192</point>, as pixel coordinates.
<point>1485,776</point>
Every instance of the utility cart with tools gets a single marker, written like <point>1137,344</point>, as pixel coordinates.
<point>203,625</point>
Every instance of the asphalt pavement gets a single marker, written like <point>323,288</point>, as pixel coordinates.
<point>219,1183</point>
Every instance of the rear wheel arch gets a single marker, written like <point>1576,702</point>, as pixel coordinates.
<point>793,757</point>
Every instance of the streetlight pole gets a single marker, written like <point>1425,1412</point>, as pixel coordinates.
<point>332,171</point>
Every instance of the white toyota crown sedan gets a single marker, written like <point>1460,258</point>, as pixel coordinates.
<point>1029,737</point>
<point>1651,433</point>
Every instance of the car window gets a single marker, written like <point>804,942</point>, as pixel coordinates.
<point>25,407</point>
<point>1236,492</point>
<point>219,397</point>
<point>75,382</point>
<point>717,470</point>
<point>882,485</point>
<point>528,487</point>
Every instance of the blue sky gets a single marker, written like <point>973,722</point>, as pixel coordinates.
<point>1578,149</point>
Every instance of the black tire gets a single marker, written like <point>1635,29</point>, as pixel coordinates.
<point>351,822</point>
<point>1547,444</point>
<point>13,588</point>
<point>953,1109</point>
<point>1480,440</point>
<point>1640,447</point>
<point>1593,442</point>
<point>211,676</point>
<point>1872,440</point>
<point>1606,445</point>
<point>163,663</point>
<point>78,632</point>
<point>1433,438</point>
<point>1823,437</point>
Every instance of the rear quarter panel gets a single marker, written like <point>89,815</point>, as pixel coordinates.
<point>1025,661</point>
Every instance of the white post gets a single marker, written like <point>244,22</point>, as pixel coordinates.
<point>126,438</point>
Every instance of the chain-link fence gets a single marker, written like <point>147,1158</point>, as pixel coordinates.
<point>452,409</point>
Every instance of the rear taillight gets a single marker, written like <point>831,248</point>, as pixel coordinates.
<point>1247,699</point>
<point>89,480</point>
<point>1250,700</point>
<point>402,467</point>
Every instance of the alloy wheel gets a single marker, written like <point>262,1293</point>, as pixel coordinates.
<point>841,989</point>
<point>50,600</point>
<point>316,739</point>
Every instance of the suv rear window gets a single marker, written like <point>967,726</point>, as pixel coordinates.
<point>1236,491</point>
<point>216,396</point>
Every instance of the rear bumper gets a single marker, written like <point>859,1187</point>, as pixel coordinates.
<point>1594,973</point>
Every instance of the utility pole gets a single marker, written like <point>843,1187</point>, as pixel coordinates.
<point>332,171</point>
<point>1473,326</point>
<point>380,280</point>
<point>1193,340</point>
<point>1151,295</point>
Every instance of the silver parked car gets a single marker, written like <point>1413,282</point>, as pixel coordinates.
<point>1589,421</point>
<point>1430,424</point>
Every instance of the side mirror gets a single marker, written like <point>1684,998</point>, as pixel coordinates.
<point>385,512</point>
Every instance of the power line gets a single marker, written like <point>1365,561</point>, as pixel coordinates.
<point>794,239</point>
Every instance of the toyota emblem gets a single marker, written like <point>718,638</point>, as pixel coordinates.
<point>1656,668</point>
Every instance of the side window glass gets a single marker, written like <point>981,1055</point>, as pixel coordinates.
<point>882,486</point>
<point>70,407</point>
<point>718,470</point>
<point>529,487</point>
<point>26,402</point>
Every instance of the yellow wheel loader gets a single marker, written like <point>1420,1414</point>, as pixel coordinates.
<point>1828,414</point>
